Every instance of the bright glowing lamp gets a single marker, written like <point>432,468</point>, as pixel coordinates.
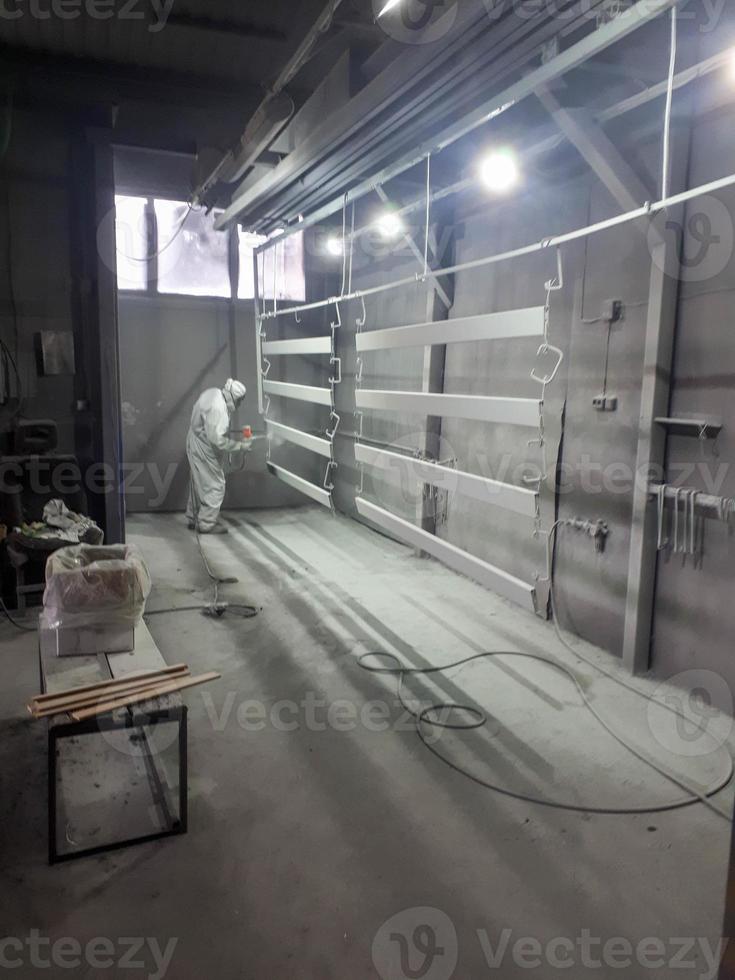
<point>499,171</point>
<point>389,225</point>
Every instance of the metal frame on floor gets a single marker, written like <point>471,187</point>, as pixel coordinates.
<point>96,726</point>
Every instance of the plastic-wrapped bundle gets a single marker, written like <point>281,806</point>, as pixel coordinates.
<point>97,586</point>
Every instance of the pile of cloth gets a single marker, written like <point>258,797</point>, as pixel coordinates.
<point>61,524</point>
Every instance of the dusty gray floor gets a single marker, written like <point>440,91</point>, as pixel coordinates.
<point>311,829</point>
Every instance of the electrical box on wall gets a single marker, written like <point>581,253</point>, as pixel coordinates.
<point>55,352</point>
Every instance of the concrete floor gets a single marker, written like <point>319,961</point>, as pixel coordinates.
<point>309,832</point>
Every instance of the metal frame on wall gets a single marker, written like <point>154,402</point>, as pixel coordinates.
<point>322,446</point>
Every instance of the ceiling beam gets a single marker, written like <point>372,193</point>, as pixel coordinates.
<point>112,78</point>
<point>231,28</point>
<point>247,199</point>
<point>583,132</point>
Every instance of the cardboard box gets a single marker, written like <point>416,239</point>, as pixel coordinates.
<point>86,641</point>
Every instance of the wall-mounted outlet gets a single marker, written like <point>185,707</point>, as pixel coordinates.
<point>612,310</point>
<point>605,403</point>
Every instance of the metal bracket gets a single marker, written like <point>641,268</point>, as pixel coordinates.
<point>338,379</point>
<point>331,433</point>
<point>328,484</point>
<point>338,324</point>
<point>545,349</point>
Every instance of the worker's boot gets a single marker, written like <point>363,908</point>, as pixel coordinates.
<point>217,529</point>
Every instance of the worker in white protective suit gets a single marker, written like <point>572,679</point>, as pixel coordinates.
<point>208,448</point>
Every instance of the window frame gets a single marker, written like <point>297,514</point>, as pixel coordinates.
<point>151,289</point>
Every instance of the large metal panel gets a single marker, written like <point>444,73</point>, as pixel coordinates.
<point>488,575</point>
<point>488,326</point>
<point>316,493</point>
<point>305,345</point>
<point>299,438</point>
<point>303,393</point>
<point>517,499</point>
<point>509,411</point>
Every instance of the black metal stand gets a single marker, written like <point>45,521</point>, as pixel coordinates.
<point>131,721</point>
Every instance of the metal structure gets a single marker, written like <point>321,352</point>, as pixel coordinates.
<point>322,446</point>
<point>639,204</point>
<point>520,500</point>
<point>461,561</point>
<point>363,109</point>
<point>509,325</point>
<point>481,408</point>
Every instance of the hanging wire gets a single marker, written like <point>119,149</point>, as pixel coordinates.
<point>646,211</point>
<point>428,214</point>
<point>352,247</point>
<point>344,250</point>
<point>666,179</point>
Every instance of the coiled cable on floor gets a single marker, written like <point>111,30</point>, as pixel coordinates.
<point>429,716</point>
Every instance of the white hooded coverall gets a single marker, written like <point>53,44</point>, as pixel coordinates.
<point>207,446</point>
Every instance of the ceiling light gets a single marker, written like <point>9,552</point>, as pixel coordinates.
<point>389,224</point>
<point>499,171</point>
<point>334,245</point>
<point>389,6</point>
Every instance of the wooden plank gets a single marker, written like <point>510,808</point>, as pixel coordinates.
<point>74,701</point>
<point>156,692</point>
<point>104,685</point>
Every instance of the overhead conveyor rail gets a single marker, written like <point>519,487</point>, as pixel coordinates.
<point>517,499</point>
<point>481,571</point>
<point>510,325</point>
<point>480,408</point>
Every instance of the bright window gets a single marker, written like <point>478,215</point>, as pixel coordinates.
<point>131,234</point>
<point>192,256</point>
<point>248,242</point>
<point>182,254</point>
<point>289,281</point>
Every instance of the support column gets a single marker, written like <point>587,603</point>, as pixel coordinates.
<point>658,364</point>
<point>98,433</point>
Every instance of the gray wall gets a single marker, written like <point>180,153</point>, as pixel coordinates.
<point>35,230</point>
<point>171,349</point>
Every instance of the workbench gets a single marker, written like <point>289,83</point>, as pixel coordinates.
<point>120,778</point>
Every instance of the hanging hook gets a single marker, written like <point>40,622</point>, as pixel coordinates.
<point>557,283</point>
<point>361,321</point>
<point>328,484</point>
<point>331,433</point>
<point>546,349</point>
<point>338,324</point>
